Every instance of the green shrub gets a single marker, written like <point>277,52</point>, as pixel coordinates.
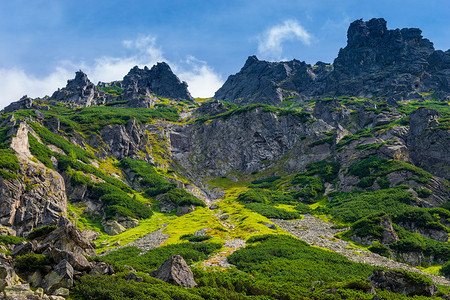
<point>445,270</point>
<point>8,160</point>
<point>49,137</point>
<point>285,258</point>
<point>180,197</point>
<point>269,211</point>
<point>195,238</point>
<point>424,193</point>
<point>151,260</point>
<point>147,176</point>
<point>118,202</point>
<point>369,169</point>
<point>38,232</point>
<point>380,249</point>
<point>41,152</point>
<point>369,226</point>
<point>31,262</point>
<point>10,239</point>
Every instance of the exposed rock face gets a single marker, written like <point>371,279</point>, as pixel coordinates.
<point>68,238</point>
<point>376,62</point>
<point>8,276</point>
<point>24,103</point>
<point>398,282</point>
<point>388,236</point>
<point>429,144</point>
<point>258,81</point>
<point>244,141</point>
<point>60,277</point>
<point>212,108</point>
<point>159,80</point>
<point>38,201</point>
<point>79,91</point>
<point>175,271</point>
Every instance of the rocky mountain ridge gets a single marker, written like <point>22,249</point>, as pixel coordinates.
<point>137,170</point>
<point>376,63</point>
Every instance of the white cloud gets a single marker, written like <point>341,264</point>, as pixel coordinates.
<point>270,43</point>
<point>16,83</point>
<point>201,78</point>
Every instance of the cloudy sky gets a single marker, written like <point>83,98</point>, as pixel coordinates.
<point>43,42</point>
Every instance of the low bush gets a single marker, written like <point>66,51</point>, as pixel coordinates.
<point>41,231</point>
<point>32,262</point>
<point>269,211</point>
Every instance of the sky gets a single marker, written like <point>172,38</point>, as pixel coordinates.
<point>44,42</point>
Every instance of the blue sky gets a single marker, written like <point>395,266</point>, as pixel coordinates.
<point>42,43</point>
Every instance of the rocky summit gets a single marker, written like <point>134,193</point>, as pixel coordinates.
<point>376,62</point>
<point>294,181</point>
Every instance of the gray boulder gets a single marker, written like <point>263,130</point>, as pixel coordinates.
<point>399,282</point>
<point>61,276</point>
<point>175,271</point>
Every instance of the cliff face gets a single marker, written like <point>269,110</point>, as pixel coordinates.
<point>376,62</point>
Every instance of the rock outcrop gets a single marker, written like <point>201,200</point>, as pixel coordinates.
<point>37,197</point>
<point>175,271</point>
<point>376,62</point>
<point>246,140</point>
<point>159,80</point>
<point>79,91</point>
<point>428,143</point>
<point>402,283</point>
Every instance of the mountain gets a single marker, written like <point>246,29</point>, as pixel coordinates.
<point>376,63</point>
<point>135,190</point>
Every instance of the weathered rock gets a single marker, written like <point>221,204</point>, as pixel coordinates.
<point>8,276</point>
<point>247,142</point>
<point>80,91</point>
<point>133,276</point>
<point>22,292</point>
<point>37,197</point>
<point>68,239</point>
<point>128,222</point>
<point>270,226</point>
<point>376,62</point>
<point>142,84</point>
<point>62,292</point>
<point>175,271</point>
<point>62,276</point>
<point>212,108</point>
<point>76,260</point>
<point>112,227</point>
<point>398,282</point>
<point>35,279</point>
<point>183,210</point>
<point>101,268</point>
<point>24,103</point>
<point>429,145</point>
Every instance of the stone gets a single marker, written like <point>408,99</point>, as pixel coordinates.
<point>398,282</point>
<point>101,268</point>
<point>63,292</point>
<point>61,276</point>
<point>134,277</point>
<point>213,207</point>
<point>112,227</point>
<point>24,103</point>
<point>67,238</point>
<point>8,276</point>
<point>183,210</point>
<point>270,226</point>
<point>175,271</point>
<point>22,291</point>
<point>35,279</point>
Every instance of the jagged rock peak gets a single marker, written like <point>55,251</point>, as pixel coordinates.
<point>79,91</point>
<point>159,80</point>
